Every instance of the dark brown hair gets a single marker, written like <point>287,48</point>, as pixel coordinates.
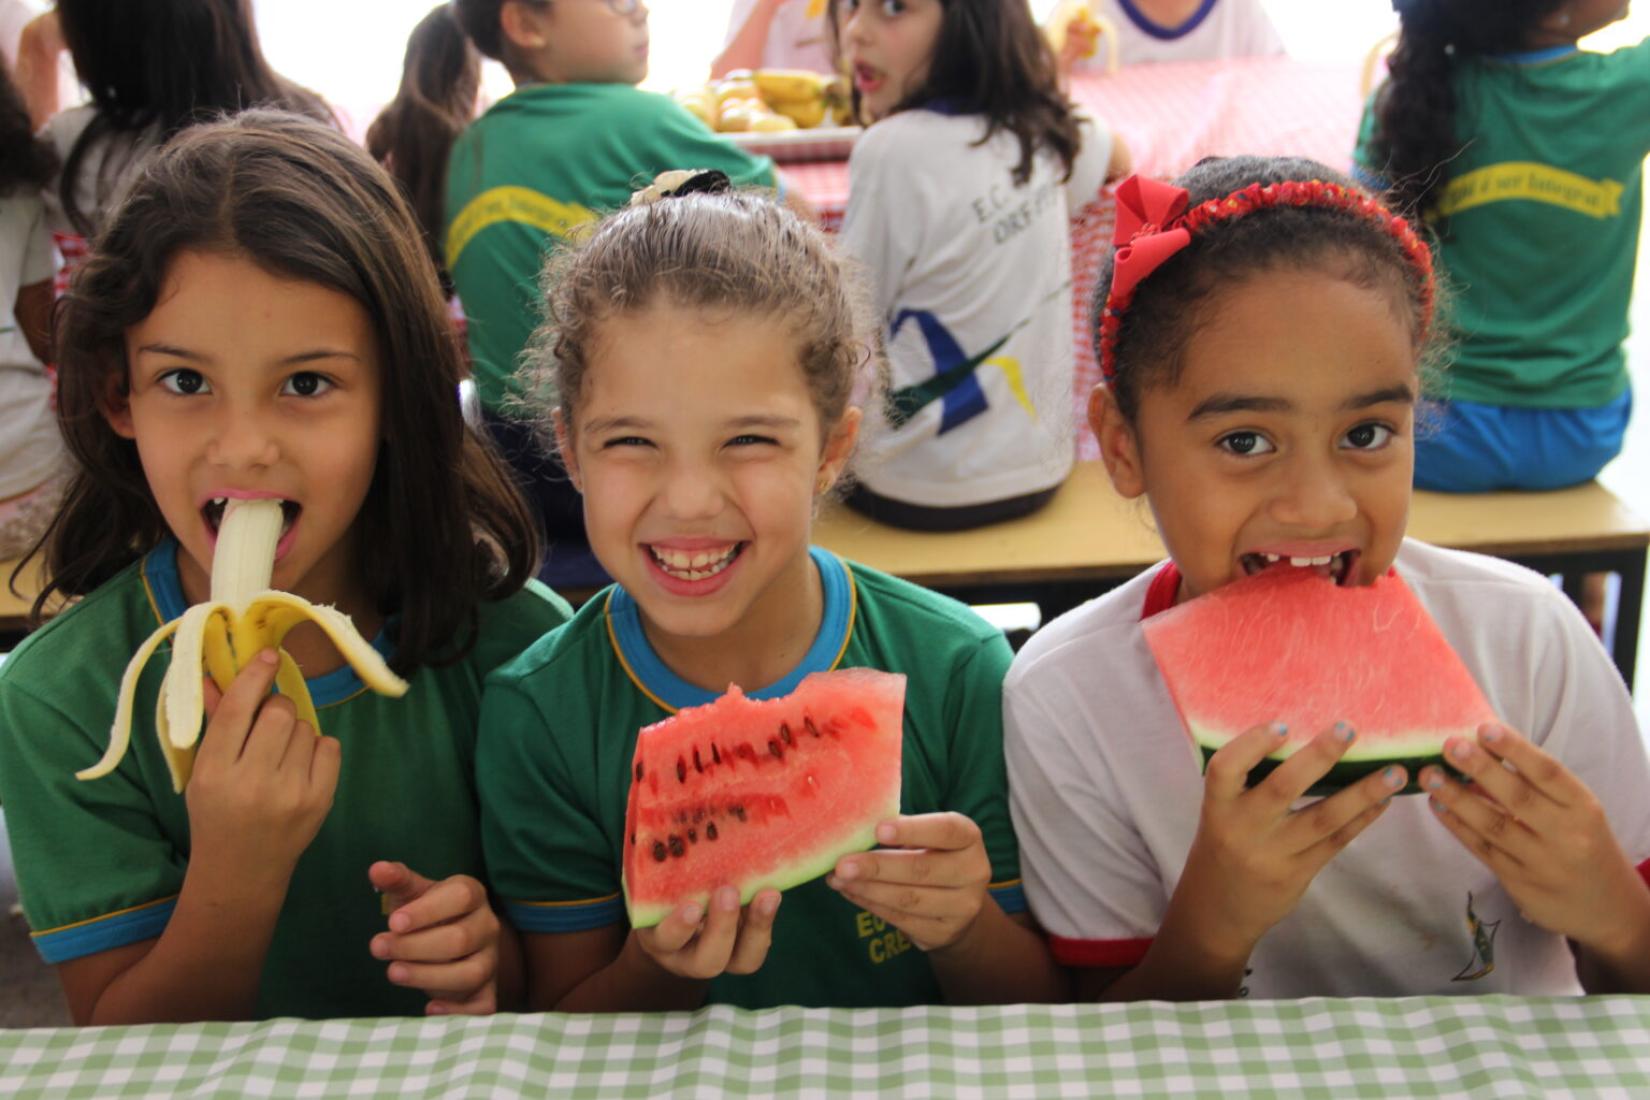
<point>990,59</point>
<point>442,522</point>
<point>1169,305</point>
<point>164,65</point>
<point>25,161</point>
<point>737,251</point>
<point>413,136</point>
<point>1417,132</point>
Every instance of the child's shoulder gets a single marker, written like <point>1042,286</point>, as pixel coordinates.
<point>885,603</point>
<point>912,137</point>
<point>566,648</point>
<point>1076,638</point>
<point>510,626</point>
<point>105,625</point>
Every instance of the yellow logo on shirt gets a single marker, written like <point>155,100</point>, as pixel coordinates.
<point>886,942</point>
<point>513,204</point>
<point>1523,179</point>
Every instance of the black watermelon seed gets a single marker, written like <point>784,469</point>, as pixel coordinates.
<point>715,753</point>
<point>710,831</point>
<point>681,770</point>
<point>659,851</point>
<point>693,836</point>
<point>633,840</point>
<point>638,771</point>
<point>698,765</point>
<point>677,848</point>
<point>808,724</point>
<point>785,733</point>
<point>737,811</point>
<point>774,749</point>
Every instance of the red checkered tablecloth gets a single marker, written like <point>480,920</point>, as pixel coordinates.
<point>1171,116</point>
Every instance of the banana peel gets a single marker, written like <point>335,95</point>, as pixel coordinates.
<point>243,617</point>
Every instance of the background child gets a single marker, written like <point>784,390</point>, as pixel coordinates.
<point>32,459</point>
<point>776,34</point>
<point>571,142</point>
<point>959,206</point>
<point>413,136</point>
<point>1519,149</point>
<point>151,68</point>
<point>1263,357</point>
<point>703,350</point>
<point>1178,30</point>
<point>260,319</point>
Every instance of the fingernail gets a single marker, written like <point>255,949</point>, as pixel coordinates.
<point>437,1009</point>
<point>691,913</point>
<point>886,833</point>
<point>727,898</point>
<point>267,656</point>
<point>1490,733</point>
<point>400,922</point>
<point>1345,732</point>
<point>380,947</point>
<point>1393,777</point>
<point>768,906</point>
<point>1433,781</point>
<point>1387,801</point>
<point>833,882</point>
<point>1437,806</point>
<point>848,870</point>
<point>398,973</point>
<point>1461,750</point>
<point>1279,729</point>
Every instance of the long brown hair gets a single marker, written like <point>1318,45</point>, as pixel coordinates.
<point>990,59</point>
<point>442,525</point>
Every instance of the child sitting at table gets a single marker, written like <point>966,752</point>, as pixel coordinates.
<point>702,352</point>
<point>776,34</point>
<point>259,320</point>
<point>1525,155</point>
<point>1263,330</point>
<point>33,462</point>
<point>1170,30</point>
<point>567,145</point>
<point>959,205</point>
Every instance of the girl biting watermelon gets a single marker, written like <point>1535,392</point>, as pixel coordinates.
<point>1263,328</point>
<point>702,351</point>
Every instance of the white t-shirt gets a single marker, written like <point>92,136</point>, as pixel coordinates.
<point>1218,28</point>
<point>31,449</point>
<point>965,265</point>
<point>1105,790</point>
<point>104,170</point>
<point>794,40</point>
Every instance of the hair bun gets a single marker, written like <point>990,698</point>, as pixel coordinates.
<point>683,181</point>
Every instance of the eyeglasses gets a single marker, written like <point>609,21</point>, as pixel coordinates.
<point>624,7</point>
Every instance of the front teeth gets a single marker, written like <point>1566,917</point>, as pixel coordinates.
<point>693,565</point>
<point>1302,563</point>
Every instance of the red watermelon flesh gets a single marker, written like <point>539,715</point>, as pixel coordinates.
<point>1291,646</point>
<point>761,793</point>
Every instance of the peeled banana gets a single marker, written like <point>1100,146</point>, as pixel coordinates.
<point>242,617</point>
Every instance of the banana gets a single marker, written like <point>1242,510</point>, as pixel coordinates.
<point>790,85</point>
<point>806,113</point>
<point>242,617</point>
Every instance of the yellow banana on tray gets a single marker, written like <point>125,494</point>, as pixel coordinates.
<point>219,637</point>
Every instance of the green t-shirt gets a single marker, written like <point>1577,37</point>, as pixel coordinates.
<point>558,731</point>
<point>100,863</point>
<point>541,162</point>
<point>1538,224</point>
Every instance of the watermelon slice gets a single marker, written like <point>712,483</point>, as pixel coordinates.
<point>1289,645</point>
<point>761,793</point>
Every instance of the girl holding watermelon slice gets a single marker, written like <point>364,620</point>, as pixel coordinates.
<point>1264,329</point>
<point>703,351</point>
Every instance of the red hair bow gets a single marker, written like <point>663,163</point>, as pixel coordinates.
<point>1148,231</point>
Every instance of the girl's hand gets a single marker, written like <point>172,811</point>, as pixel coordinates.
<point>1538,827</point>
<point>1253,855</point>
<point>443,939</point>
<point>930,883</point>
<point>691,943</point>
<point>262,782</point>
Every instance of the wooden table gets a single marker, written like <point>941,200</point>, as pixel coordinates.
<point>1089,539</point>
<point>14,608</point>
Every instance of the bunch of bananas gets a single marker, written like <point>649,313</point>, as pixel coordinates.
<point>242,617</point>
<point>770,101</point>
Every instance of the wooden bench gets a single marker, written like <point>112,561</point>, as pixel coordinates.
<point>14,609</point>
<point>1089,539</point>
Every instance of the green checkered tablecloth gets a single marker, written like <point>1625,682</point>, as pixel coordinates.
<point>1492,1047</point>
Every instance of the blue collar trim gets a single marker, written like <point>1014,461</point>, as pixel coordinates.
<point>160,570</point>
<point>1157,30</point>
<point>1535,57</point>
<point>657,678</point>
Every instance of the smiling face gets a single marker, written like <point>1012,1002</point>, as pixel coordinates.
<point>578,41</point>
<point>700,455</point>
<point>1287,440</point>
<point>889,45</point>
<point>245,384</point>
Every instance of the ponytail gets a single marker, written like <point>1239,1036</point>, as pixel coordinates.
<point>1416,130</point>
<point>413,136</point>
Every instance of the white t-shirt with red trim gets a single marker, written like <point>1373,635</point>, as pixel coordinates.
<point>1105,790</point>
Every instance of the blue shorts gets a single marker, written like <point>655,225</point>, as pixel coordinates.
<point>1471,448</point>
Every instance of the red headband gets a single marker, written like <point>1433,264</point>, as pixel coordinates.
<point>1153,224</point>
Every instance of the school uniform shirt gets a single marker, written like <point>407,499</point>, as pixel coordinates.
<point>31,447</point>
<point>1106,791</point>
<point>100,862</point>
<point>972,275</point>
<point>796,38</point>
<point>1216,29</point>
<point>1538,224</point>
<point>558,734</point>
<point>541,162</point>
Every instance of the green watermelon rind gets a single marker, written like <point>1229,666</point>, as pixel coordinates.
<point>795,873</point>
<point>1413,751</point>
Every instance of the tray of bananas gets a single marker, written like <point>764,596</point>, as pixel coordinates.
<point>787,114</point>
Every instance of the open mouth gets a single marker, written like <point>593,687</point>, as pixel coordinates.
<point>695,565</point>
<point>1338,567</point>
<point>866,79</point>
<point>212,511</point>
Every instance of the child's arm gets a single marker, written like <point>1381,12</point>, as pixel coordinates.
<point>744,50</point>
<point>262,785</point>
<point>38,49</point>
<point>930,883</point>
<point>659,969</point>
<point>1250,862</point>
<point>1530,820</point>
<point>445,939</point>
